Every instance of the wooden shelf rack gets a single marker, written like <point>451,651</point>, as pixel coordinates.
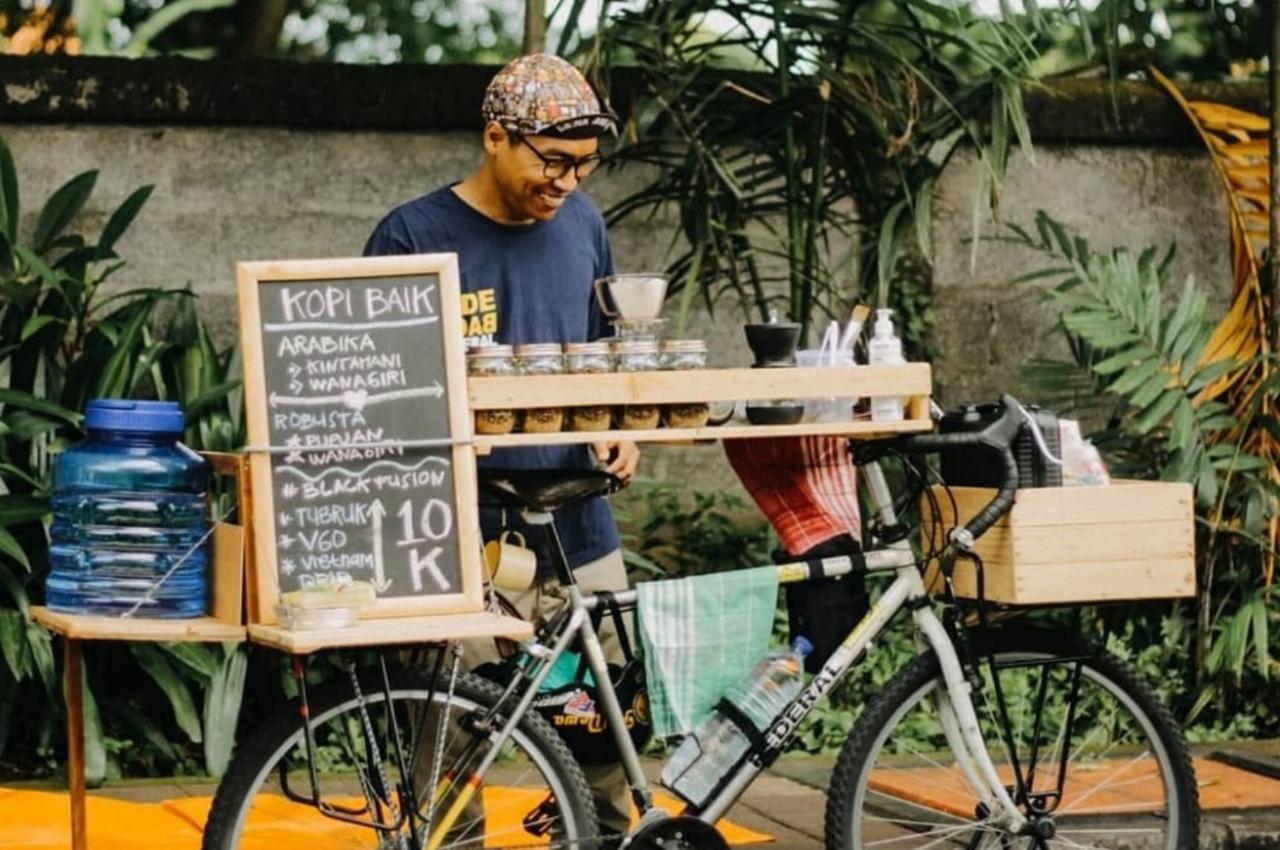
<point>913,381</point>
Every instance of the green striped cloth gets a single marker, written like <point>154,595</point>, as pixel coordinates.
<point>701,635</point>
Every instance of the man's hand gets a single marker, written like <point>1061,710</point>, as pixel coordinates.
<point>618,458</point>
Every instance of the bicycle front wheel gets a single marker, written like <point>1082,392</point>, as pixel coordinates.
<point>374,761</point>
<point>1090,756</point>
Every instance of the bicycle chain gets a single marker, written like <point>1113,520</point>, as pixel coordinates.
<point>612,838</point>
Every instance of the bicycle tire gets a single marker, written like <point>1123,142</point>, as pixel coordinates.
<point>258,759</point>
<point>872,801</point>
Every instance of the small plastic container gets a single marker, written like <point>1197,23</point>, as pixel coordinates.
<point>333,607</point>
<point>130,517</point>
<point>493,361</point>
<point>305,619</point>
<point>638,355</point>
<point>831,408</point>
<point>589,358</point>
<point>541,358</point>
<point>685,355</point>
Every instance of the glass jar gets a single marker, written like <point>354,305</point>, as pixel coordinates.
<point>492,361</point>
<point>638,355</point>
<point>541,358</point>
<point>683,355</point>
<point>588,358</point>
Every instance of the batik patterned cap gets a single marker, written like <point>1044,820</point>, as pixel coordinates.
<point>543,94</point>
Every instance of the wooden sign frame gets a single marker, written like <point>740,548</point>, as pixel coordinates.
<point>250,277</point>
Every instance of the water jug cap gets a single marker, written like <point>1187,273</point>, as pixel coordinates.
<point>801,645</point>
<point>121,414</point>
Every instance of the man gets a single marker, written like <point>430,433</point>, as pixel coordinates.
<point>529,247</point>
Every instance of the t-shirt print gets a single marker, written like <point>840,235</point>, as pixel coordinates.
<point>480,316</point>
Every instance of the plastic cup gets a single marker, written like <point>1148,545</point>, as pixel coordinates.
<point>826,409</point>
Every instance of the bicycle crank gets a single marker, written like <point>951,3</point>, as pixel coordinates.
<point>677,833</point>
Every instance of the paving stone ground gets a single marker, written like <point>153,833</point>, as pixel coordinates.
<point>788,802</point>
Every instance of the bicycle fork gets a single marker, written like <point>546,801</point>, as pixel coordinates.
<point>958,718</point>
<point>959,722</point>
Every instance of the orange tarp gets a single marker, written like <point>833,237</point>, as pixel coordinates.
<point>41,820</point>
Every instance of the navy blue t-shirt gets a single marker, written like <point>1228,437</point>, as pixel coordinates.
<point>521,283</point>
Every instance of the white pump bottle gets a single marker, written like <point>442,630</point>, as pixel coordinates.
<point>884,347</point>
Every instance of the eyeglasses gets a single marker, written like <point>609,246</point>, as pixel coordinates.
<point>556,167</point>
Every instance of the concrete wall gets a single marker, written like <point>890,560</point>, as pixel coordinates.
<point>1113,195</point>
<point>257,161</point>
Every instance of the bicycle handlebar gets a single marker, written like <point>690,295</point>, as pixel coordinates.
<point>996,438</point>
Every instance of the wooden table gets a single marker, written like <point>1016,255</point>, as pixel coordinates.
<point>74,629</point>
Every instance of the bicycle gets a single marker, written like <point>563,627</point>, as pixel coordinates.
<point>986,738</point>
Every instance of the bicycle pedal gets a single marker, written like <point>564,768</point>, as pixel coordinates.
<point>542,818</point>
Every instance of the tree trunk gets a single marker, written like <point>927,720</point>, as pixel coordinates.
<point>535,26</point>
<point>259,23</point>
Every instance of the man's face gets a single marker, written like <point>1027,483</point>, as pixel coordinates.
<point>537,173</point>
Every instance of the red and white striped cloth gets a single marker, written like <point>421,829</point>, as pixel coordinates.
<point>806,487</point>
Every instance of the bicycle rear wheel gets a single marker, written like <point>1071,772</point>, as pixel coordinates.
<point>370,752</point>
<point>1113,772</point>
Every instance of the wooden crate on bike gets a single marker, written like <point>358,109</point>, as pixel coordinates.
<point>1127,540</point>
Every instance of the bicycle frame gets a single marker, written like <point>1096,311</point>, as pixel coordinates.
<point>956,711</point>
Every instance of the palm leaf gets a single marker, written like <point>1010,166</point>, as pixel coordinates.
<point>1238,146</point>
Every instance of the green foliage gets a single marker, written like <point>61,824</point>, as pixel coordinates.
<point>363,31</point>
<point>65,339</point>
<point>801,145</point>
<point>1137,372</point>
<point>443,31</point>
<point>1144,355</point>
<point>664,534</point>
<point>1187,37</point>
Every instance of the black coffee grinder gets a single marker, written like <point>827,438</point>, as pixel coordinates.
<point>774,345</point>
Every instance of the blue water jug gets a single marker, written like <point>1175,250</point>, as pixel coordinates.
<point>130,516</point>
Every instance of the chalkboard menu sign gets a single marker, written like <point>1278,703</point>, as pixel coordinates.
<point>355,394</point>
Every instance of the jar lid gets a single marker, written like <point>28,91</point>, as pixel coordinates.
<point>538,349</point>
<point>685,346</point>
<point>580,348</point>
<point>489,351</point>
<point>122,414</point>
<point>636,346</point>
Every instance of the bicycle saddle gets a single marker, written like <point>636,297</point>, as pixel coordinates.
<point>546,489</point>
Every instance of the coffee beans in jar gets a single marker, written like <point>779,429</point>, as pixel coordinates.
<point>681,355</point>
<point>588,358</point>
<point>637,355</point>
<point>492,361</point>
<point>541,358</point>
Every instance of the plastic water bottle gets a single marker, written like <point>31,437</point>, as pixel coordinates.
<point>705,758</point>
<point>129,503</point>
<point>884,347</point>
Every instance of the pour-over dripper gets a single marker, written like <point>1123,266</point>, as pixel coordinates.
<point>631,296</point>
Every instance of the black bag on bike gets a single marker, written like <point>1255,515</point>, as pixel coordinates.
<point>967,469</point>
<point>825,610</point>
<point>574,709</point>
